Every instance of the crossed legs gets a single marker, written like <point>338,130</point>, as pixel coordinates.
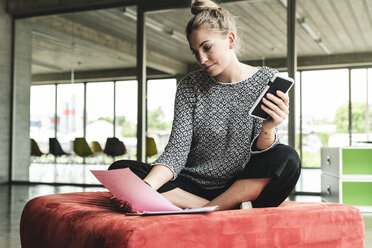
<point>242,190</point>
<point>275,173</point>
<point>267,180</point>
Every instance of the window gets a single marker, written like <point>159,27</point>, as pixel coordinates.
<point>70,112</point>
<point>324,94</point>
<point>100,111</point>
<point>361,100</point>
<point>126,115</point>
<point>42,116</point>
<point>160,107</point>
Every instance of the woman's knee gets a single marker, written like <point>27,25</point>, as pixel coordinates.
<point>288,154</point>
<point>138,168</point>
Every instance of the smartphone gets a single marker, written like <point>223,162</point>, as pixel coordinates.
<point>277,82</point>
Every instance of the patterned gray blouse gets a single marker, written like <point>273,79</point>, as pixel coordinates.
<point>212,132</point>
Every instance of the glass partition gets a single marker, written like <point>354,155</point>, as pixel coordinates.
<point>70,114</point>
<point>126,115</point>
<point>100,111</point>
<point>42,115</point>
<point>361,100</point>
<point>324,112</point>
<point>160,108</point>
<point>82,53</point>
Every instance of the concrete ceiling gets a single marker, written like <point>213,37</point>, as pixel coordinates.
<point>329,33</point>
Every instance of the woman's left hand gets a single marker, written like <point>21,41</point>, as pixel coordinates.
<point>277,109</point>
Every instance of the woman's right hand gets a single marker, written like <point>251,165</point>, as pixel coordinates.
<point>124,206</point>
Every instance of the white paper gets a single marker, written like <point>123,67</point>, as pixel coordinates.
<point>126,186</point>
<point>184,211</point>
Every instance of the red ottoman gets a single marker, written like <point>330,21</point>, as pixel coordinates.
<point>90,220</point>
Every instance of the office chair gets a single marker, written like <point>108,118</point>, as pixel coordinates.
<point>55,148</point>
<point>151,149</point>
<point>81,148</point>
<point>35,150</point>
<point>114,147</point>
<point>96,147</point>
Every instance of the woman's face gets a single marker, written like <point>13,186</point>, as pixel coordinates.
<point>212,50</point>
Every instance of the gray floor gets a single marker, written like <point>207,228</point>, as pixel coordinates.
<point>13,199</point>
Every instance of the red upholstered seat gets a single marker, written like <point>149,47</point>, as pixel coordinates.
<point>89,220</point>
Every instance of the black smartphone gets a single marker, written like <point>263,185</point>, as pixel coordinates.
<point>277,82</point>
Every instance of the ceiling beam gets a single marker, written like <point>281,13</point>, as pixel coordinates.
<point>172,4</point>
<point>90,76</point>
<point>155,60</point>
<point>319,61</point>
<point>311,62</point>
<point>336,60</point>
<point>304,63</point>
<point>29,8</point>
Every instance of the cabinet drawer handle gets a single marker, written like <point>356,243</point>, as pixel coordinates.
<point>329,190</point>
<point>328,160</point>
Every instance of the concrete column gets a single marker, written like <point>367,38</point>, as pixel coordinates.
<point>5,91</point>
<point>21,101</point>
<point>292,68</point>
<point>142,85</point>
<point>350,112</point>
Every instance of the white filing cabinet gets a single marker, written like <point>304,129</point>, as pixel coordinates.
<point>347,175</point>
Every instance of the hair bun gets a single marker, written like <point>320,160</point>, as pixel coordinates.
<point>198,6</point>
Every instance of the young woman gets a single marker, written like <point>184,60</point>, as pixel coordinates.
<point>217,154</point>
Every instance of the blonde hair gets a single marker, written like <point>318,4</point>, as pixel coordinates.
<point>208,12</point>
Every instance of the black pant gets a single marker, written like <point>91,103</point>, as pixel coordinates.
<point>281,164</point>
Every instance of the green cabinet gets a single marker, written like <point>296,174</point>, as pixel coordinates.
<point>347,176</point>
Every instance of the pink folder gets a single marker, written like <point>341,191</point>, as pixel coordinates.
<point>126,186</point>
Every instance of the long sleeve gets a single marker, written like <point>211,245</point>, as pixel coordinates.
<point>256,132</point>
<point>212,131</point>
<point>177,150</point>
